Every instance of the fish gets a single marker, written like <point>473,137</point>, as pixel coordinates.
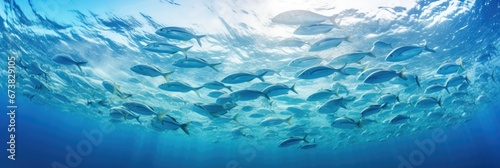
<point>216,86</point>
<point>179,87</point>
<point>362,76</point>
<point>121,112</point>
<point>463,86</point>
<point>247,108</point>
<point>195,63</point>
<point>291,42</point>
<point>301,17</point>
<point>114,89</point>
<point>139,108</point>
<point>272,121</point>
<point>346,123</point>
<point>428,102</point>
<point>278,89</point>
<point>269,72</point>
<point>216,110</point>
<point>372,109</point>
<point>216,94</point>
<point>321,95</point>
<point>483,58</point>
<point>35,69</point>
<point>292,141</point>
<point>449,68</point>
<point>379,43</point>
<point>327,43</point>
<point>399,119</point>
<point>313,29</point>
<point>259,86</point>
<point>435,88</point>
<point>245,95</point>
<point>67,60</point>
<point>340,88</point>
<point>349,58</point>
<point>406,52</point>
<point>170,123</point>
<point>380,76</point>
<point>456,80</point>
<point>242,77</point>
<point>297,111</point>
<point>306,61</point>
<point>152,71</point>
<point>332,106</point>
<point>179,33</point>
<point>388,99</point>
<point>160,47</point>
<point>308,146</point>
<point>352,70</point>
<point>318,72</point>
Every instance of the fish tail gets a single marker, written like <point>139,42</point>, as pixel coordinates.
<point>213,66</point>
<point>460,62</point>
<point>348,39</point>
<point>383,105</point>
<point>304,139</point>
<point>266,96</point>
<point>417,81</point>
<point>261,76</point>
<point>402,75</point>
<point>439,101</point>
<point>79,64</point>
<point>184,51</point>
<point>229,88</point>
<point>196,90</point>
<point>235,119</point>
<point>467,80</point>
<point>167,75</point>
<point>337,92</point>
<point>359,124</point>
<point>332,19</point>
<point>137,118</point>
<point>184,127</point>
<point>341,70</point>
<point>293,89</point>
<point>446,88</point>
<point>198,38</point>
<point>288,120</point>
<point>370,53</point>
<point>429,49</point>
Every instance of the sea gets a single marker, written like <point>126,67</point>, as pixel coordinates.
<point>105,84</point>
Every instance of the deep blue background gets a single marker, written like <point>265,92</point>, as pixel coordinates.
<point>42,135</point>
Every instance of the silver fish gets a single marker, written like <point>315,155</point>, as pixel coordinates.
<point>406,52</point>
<point>327,43</point>
<point>179,33</point>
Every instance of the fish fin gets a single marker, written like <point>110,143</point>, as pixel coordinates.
<point>383,105</point>
<point>261,76</point>
<point>366,67</point>
<point>293,89</point>
<point>79,64</point>
<point>184,127</point>
<point>184,51</point>
<point>115,88</point>
<point>229,88</point>
<point>337,92</point>
<point>288,120</point>
<point>213,66</point>
<point>304,139</point>
<point>439,101</point>
<point>198,39</point>
<point>167,75</point>
<point>429,49</point>
<point>160,116</point>
<point>467,80</point>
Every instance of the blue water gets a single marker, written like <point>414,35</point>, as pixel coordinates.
<point>48,133</point>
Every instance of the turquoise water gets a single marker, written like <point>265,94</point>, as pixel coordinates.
<point>67,115</point>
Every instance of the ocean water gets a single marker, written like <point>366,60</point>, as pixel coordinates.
<point>64,115</point>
